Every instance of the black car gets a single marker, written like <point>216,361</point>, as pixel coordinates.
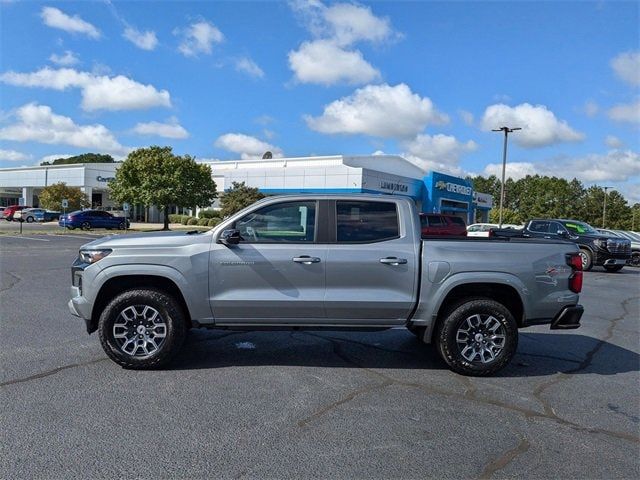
<point>596,248</point>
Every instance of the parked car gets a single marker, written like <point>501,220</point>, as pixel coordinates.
<point>8,212</point>
<point>440,224</point>
<point>633,237</point>
<point>87,219</point>
<point>609,251</point>
<point>351,261</point>
<point>30,215</point>
<point>484,229</point>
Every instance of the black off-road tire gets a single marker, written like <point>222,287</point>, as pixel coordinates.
<point>587,259</point>
<point>454,318</point>
<point>613,268</point>
<point>168,308</point>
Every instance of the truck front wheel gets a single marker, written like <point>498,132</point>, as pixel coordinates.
<point>142,328</point>
<point>477,337</point>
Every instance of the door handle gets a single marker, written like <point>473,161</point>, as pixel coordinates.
<point>306,259</point>
<point>393,261</point>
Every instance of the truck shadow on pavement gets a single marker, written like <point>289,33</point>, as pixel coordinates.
<point>539,354</point>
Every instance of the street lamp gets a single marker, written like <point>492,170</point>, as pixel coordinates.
<point>604,207</point>
<point>506,131</point>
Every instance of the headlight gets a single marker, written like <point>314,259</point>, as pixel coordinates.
<point>601,242</point>
<point>92,256</point>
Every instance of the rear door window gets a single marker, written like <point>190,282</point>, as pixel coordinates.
<point>539,226</point>
<point>366,222</point>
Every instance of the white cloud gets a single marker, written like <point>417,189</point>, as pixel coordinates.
<point>144,40</point>
<point>249,67</point>
<point>627,67</point>
<point>467,117</point>
<point>629,112</point>
<point>13,156</point>
<point>613,141</point>
<point>331,58</point>
<point>437,152</point>
<point>613,166</point>
<point>99,92</point>
<point>540,126</point>
<point>379,111</point>
<point>170,129</point>
<point>56,18</point>
<point>68,59</point>
<point>199,38</point>
<point>590,108</point>
<point>247,146</point>
<point>38,123</point>
<point>326,63</point>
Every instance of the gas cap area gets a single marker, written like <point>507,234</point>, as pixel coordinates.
<point>438,271</point>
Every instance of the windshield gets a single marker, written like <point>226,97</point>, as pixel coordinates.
<point>580,228</point>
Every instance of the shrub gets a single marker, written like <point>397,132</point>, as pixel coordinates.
<point>203,222</point>
<point>208,213</point>
<point>185,220</point>
<point>175,218</point>
<point>213,222</point>
<point>192,221</point>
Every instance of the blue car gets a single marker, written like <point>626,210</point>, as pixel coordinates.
<point>88,219</point>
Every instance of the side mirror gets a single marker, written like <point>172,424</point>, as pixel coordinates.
<point>230,237</point>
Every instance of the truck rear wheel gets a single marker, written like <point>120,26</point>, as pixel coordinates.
<point>142,329</point>
<point>587,259</point>
<point>477,337</point>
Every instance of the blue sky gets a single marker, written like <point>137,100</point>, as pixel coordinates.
<point>228,80</point>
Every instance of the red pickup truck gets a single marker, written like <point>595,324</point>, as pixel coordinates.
<point>440,224</point>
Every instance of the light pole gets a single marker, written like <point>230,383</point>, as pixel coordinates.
<point>506,131</point>
<point>604,207</point>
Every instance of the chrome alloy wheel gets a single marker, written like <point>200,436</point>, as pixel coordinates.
<point>480,337</point>
<point>585,259</point>
<point>139,330</point>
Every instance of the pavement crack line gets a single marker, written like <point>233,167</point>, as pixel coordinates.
<point>51,372</point>
<point>505,459</point>
<point>16,280</point>
<point>470,394</point>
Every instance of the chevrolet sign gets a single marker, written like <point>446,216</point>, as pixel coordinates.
<point>453,187</point>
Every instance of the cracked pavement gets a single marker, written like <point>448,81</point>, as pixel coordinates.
<point>327,404</point>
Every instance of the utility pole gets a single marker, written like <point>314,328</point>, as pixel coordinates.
<point>506,131</point>
<point>604,207</point>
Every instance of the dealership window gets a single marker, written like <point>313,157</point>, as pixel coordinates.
<point>366,221</point>
<point>291,222</point>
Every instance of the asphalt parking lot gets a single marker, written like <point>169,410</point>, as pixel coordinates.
<point>309,404</point>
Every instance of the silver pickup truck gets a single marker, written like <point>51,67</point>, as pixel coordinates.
<point>337,261</point>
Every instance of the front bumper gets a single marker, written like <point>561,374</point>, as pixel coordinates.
<point>568,318</point>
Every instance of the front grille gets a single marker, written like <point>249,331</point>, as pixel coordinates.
<point>619,247</point>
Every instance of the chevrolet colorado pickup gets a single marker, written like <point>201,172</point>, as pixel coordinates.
<point>596,248</point>
<point>337,261</point>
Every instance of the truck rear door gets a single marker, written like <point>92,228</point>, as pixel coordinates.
<point>372,266</point>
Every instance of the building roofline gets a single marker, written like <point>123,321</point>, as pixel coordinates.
<point>69,165</point>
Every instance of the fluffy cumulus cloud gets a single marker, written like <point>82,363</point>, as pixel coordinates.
<point>437,152</point>
<point>331,57</point>
<point>629,112</point>
<point>38,123</point>
<point>66,60</point>
<point>169,129</point>
<point>380,111</point>
<point>613,142</point>
<point>143,40</point>
<point>326,63</point>
<point>540,126</point>
<point>612,166</point>
<point>627,67</point>
<point>56,18</point>
<point>246,146</point>
<point>248,66</point>
<point>13,156</point>
<point>99,92</point>
<point>199,37</point>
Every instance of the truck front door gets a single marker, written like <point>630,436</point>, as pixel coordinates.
<point>372,265</point>
<point>276,274</point>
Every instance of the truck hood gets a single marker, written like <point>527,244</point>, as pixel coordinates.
<point>149,240</point>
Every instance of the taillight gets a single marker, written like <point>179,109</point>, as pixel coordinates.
<point>574,260</point>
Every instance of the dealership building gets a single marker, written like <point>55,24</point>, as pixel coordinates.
<point>383,174</point>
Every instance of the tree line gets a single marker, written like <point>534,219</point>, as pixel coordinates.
<point>536,196</point>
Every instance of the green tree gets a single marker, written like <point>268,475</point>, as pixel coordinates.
<point>51,197</point>
<point>238,197</point>
<point>508,216</point>
<point>83,158</point>
<point>619,213</point>
<point>155,176</point>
